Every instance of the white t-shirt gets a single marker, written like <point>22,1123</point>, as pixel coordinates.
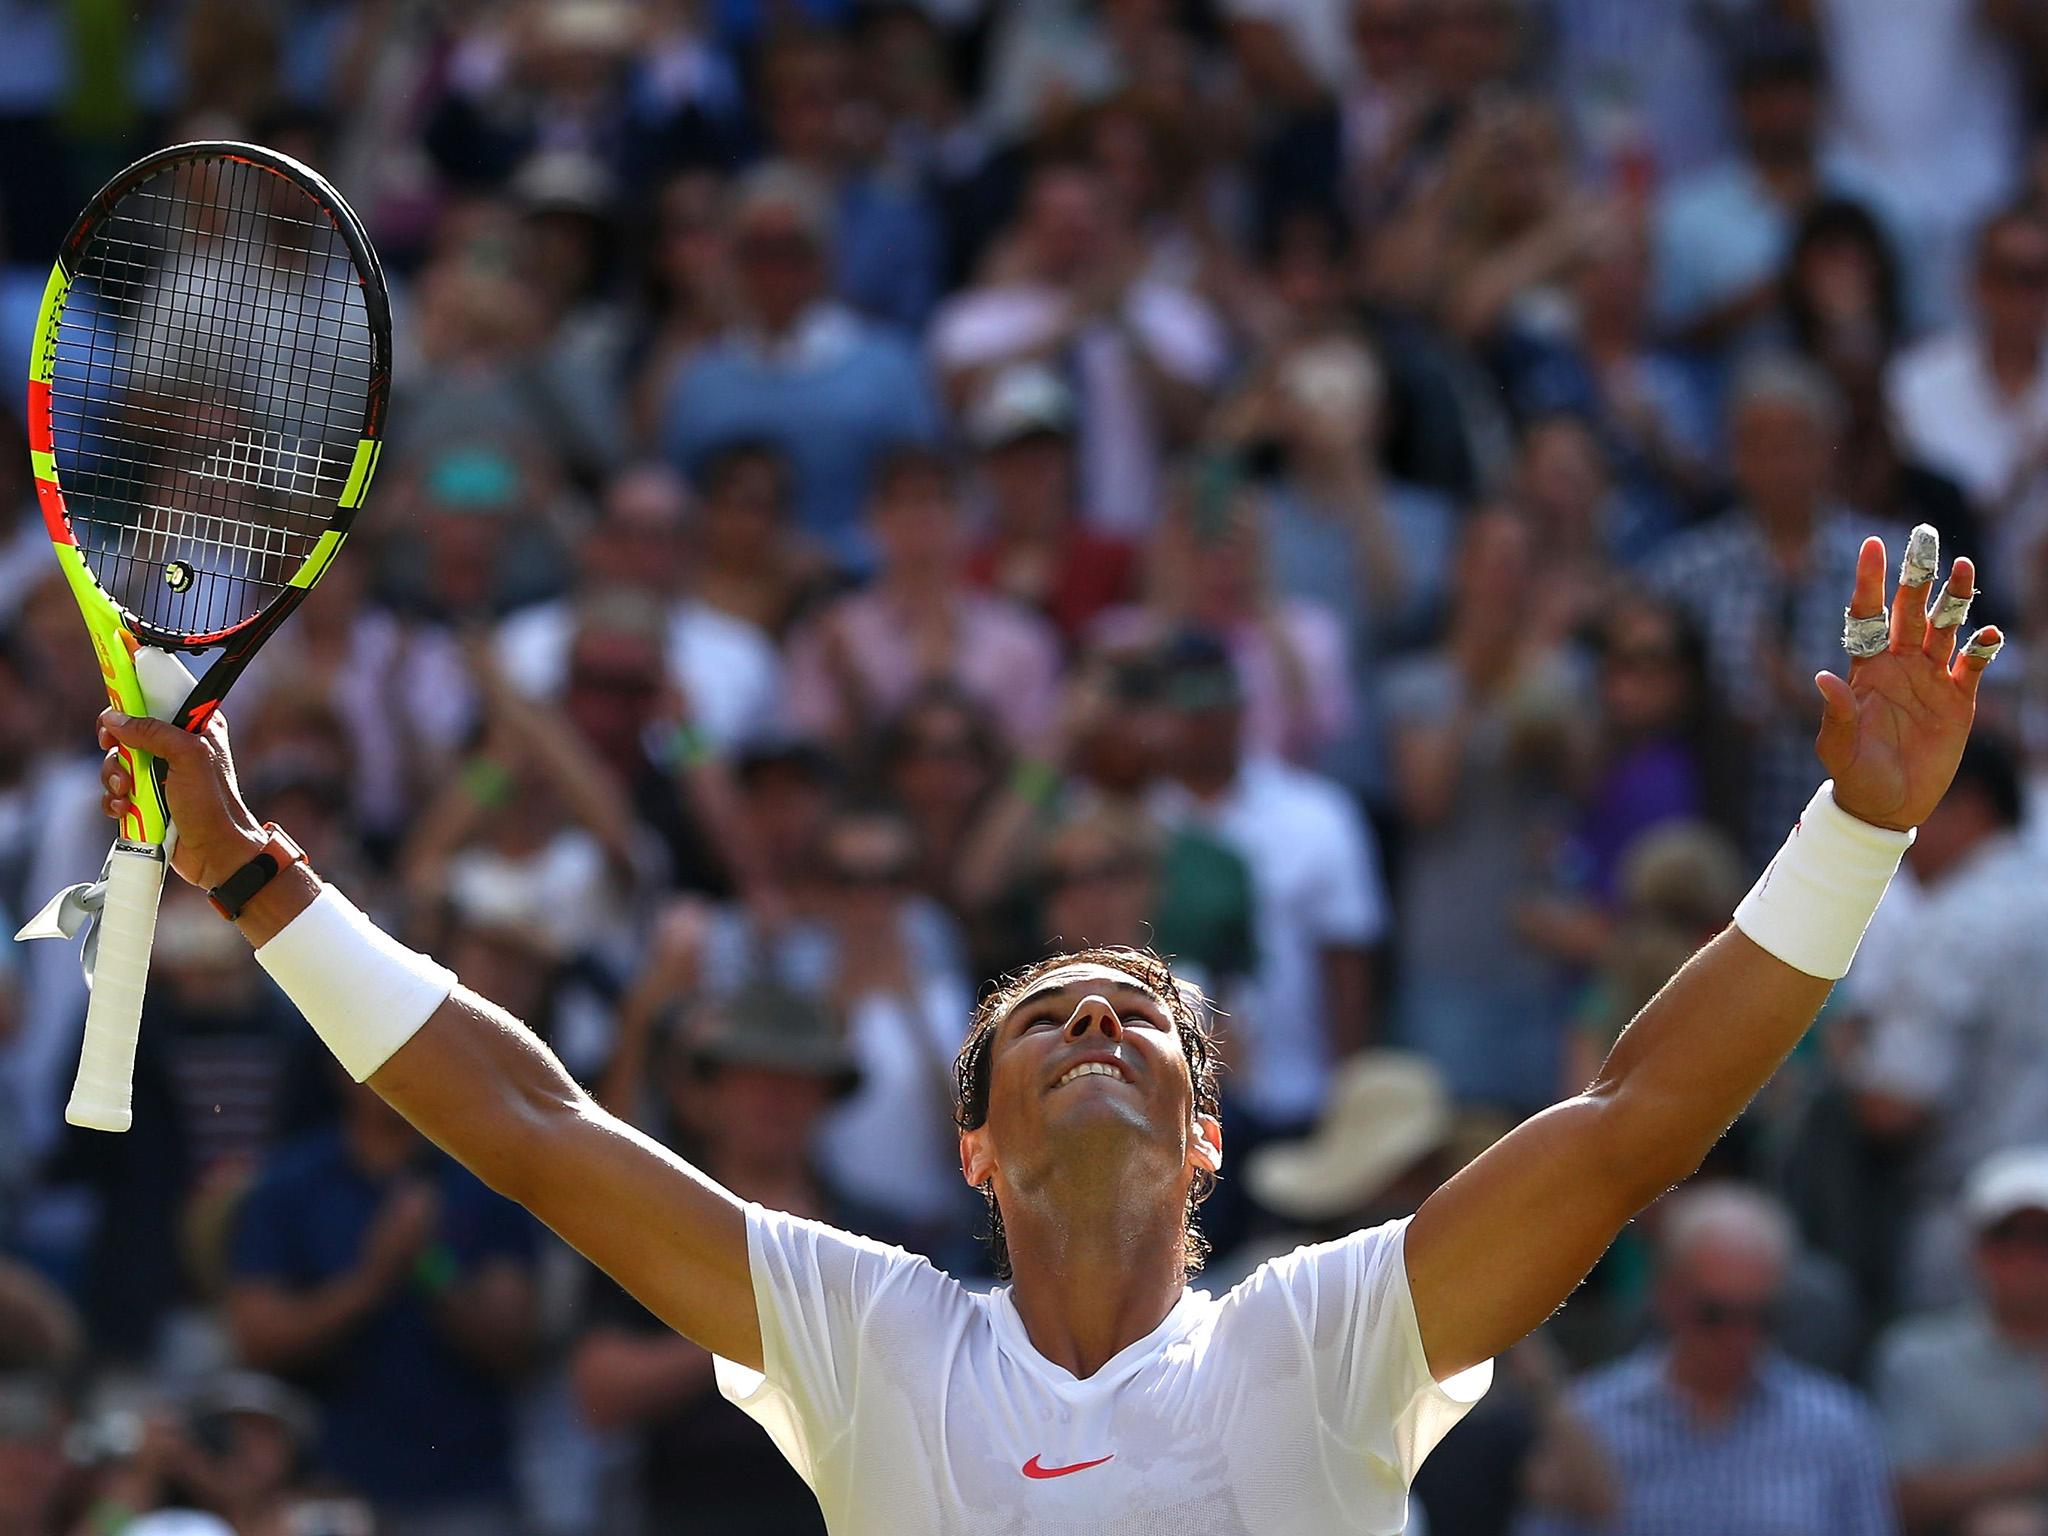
<point>1953,418</point>
<point>1298,1404</point>
<point>1316,884</point>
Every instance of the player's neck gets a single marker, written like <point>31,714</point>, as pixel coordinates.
<point>1088,1284</point>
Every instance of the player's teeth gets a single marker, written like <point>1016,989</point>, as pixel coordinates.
<point>1090,1069</point>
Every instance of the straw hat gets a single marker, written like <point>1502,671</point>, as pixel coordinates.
<point>1387,1110</point>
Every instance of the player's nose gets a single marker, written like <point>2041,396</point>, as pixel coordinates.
<point>1095,1015</point>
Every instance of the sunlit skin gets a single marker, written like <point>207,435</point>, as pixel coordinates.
<point>1093,1178</point>
<point>1093,1175</point>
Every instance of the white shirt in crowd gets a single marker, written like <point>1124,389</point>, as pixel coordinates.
<point>1298,1404</point>
<point>726,667</point>
<point>1964,1040</point>
<point>1316,884</point>
<point>1925,101</point>
<point>1953,418</point>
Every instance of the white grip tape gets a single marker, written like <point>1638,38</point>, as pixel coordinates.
<point>364,993</point>
<point>1817,896</point>
<point>100,1097</point>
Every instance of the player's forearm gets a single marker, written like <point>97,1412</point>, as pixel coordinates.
<point>1697,1054</point>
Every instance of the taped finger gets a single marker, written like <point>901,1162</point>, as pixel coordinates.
<point>1982,649</point>
<point>1867,635</point>
<point>1951,611</point>
<point>1922,557</point>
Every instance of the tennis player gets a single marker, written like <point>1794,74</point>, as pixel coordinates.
<point>1097,1392</point>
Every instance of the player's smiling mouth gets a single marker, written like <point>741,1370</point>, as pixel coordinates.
<point>1097,1068</point>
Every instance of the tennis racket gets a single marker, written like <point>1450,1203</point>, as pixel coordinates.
<point>205,403</point>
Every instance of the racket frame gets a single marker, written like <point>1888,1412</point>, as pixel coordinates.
<point>117,633</point>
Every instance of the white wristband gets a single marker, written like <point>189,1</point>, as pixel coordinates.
<point>363,992</point>
<point>1817,896</point>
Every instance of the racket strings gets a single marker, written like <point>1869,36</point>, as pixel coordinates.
<point>213,367</point>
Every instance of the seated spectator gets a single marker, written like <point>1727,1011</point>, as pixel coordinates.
<point>888,238</point>
<point>744,1082</point>
<point>1339,531</point>
<point>744,557</point>
<point>1972,402</point>
<point>685,299</point>
<point>1487,732</point>
<point>35,1472</point>
<point>832,391</point>
<point>1712,1430</point>
<point>1952,1063</point>
<point>1795,544</point>
<point>397,1291</point>
<point>1208,571</point>
<point>1722,233</point>
<point>1036,551</point>
<point>1318,904</point>
<point>864,656</point>
<point>859,940</point>
<point>1068,288</point>
<point>724,666</point>
<point>1963,1396</point>
<point>1844,309</point>
<point>939,761</point>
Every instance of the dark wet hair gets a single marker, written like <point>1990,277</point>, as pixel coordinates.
<point>1192,1020</point>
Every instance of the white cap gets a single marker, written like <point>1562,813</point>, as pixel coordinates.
<point>1024,399</point>
<point>2006,1182</point>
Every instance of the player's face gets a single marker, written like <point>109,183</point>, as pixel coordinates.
<point>1088,1058</point>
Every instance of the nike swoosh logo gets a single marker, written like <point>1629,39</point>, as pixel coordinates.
<point>1033,1469</point>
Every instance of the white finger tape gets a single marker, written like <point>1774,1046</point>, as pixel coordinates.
<point>1865,636</point>
<point>1922,558</point>
<point>1950,611</point>
<point>1981,647</point>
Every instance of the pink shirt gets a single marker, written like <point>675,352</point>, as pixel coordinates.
<point>1004,658</point>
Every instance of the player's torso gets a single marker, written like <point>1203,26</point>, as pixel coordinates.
<point>1213,1434</point>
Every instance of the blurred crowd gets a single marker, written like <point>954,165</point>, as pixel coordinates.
<point>1350,493</point>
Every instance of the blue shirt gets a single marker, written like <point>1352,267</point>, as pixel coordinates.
<point>835,397</point>
<point>405,1418</point>
<point>1802,1455</point>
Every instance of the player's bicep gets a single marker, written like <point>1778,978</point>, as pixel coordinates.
<point>483,1088</point>
<point>1500,1246</point>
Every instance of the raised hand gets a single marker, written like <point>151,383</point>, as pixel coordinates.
<point>1892,734</point>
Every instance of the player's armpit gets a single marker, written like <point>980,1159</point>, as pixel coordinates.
<point>486,1091</point>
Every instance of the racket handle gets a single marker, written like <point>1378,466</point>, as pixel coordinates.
<point>106,1062</point>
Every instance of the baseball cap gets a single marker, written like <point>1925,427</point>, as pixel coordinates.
<point>2005,1182</point>
<point>1387,1110</point>
<point>1024,400</point>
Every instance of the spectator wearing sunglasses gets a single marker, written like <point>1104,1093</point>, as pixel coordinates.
<point>1964,1397</point>
<point>1711,1429</point>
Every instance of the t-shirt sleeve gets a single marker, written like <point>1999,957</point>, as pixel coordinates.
<point>1373,1385</point>
<point>815,1288</point>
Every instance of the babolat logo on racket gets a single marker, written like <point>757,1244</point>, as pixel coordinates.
<point>206,396</point>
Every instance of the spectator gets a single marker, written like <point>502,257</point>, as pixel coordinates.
<point>1712,1430</point>
<point>398,1290</point>
<point>1949,1066</point>
<point>1722,233</point>
<point>1961,1390</point>
<point>746,1080</point>
<point>1037,551</point>
<point>867,654</point>
<point>725,667</point>
<point>1485,744</point>
<point>940,759</point>
<point>1796,544</point>
<point>832,391</point>
<point>1319,908</point>
<point>745,558</point>
<point>1068,288</point>
<point>1208,571</point>
<point>687,297</point>
<point>1844,308</point>
<point>1972,402</point>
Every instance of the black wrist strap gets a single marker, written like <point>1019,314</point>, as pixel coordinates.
<point>239,889</point>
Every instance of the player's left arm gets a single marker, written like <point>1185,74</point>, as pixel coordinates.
<point>1503,1243</point>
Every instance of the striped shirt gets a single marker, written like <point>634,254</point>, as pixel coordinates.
<point>1803,1455</point>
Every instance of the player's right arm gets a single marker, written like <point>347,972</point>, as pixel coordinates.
<point>483,1087</point>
